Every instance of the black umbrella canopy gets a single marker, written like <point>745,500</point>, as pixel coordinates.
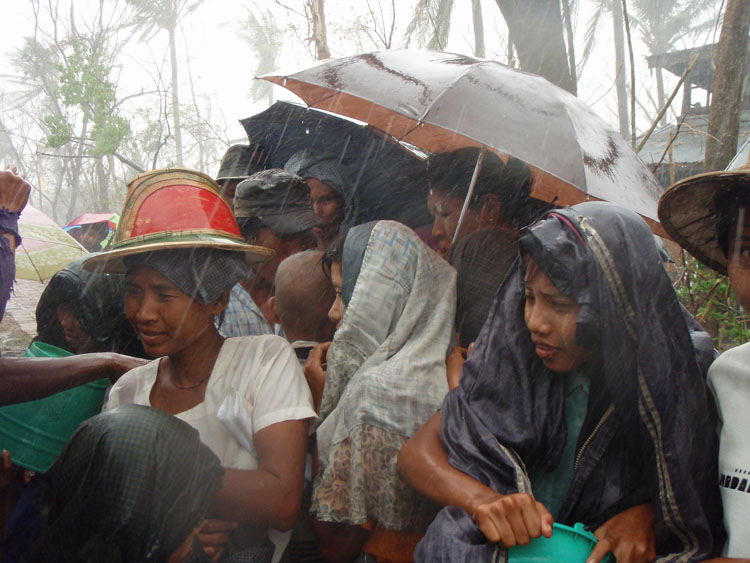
<point>387,181</point>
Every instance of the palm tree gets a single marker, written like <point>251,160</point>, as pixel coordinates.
<point>431,24</point>
<point>151,16</point>
<point>260,31</point>
<point>661,24</point>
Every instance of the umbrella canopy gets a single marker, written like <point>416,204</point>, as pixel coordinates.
<point>46,247</point>
<point>76,228</point>
<point>90,218</point>
<point>389,182</point>
<point>442,101</point>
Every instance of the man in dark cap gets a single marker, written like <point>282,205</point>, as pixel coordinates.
<point>237,164</point>
<point>273,209</point>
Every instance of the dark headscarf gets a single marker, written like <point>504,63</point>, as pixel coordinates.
<point>330,170</point>
<point>506,419</point>
<point>131,485</point>
<point>97,302</point>
<point>201,273</point>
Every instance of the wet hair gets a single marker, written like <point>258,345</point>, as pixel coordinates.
<point>727,209</point>
<point>334,254</point>
<point>451,173</point>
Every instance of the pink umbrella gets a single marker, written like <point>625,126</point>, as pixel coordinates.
<point>89,218</point>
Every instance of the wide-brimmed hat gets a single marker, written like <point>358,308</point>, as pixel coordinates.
<point>688,211</point>
<point>279,199</point>
<point>240,161</point>
<point>174,208</point>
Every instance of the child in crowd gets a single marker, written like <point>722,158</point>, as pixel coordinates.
<point>583,400</point>
<point>82,311</point>
<point>709,215</point>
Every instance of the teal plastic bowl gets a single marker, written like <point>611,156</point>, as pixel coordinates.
<point>567,545</point>
<point>35,432</point>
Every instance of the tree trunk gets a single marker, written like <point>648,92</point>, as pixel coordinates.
<point>75,179</point>
<point>568,21</point>
<point>724,120</point>
<point>620,84</point>
<point>175,96</point>
<point>660,94</point>
<point>476,13</point>
<point>537,31</point>
<point>102,202</point>
<point>317,9</point>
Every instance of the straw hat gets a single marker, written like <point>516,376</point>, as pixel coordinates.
<point>687,211</point>
<point>174,208</point>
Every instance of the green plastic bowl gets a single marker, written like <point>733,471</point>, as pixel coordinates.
<point>35,432</point>
<point>567,545</point>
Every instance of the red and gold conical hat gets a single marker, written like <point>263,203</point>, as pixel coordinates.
<point>174,208</point>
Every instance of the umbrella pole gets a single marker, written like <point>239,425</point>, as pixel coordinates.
<point>470,193</point>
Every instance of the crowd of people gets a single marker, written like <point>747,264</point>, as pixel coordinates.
<point>288,388</point>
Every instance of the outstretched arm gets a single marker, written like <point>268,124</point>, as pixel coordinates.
<point>509,519</point>
<point>28,379</point>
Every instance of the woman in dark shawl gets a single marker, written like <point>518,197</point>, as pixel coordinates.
<point>131,485</point>
<point>645,451</point>
<point>94,300</point>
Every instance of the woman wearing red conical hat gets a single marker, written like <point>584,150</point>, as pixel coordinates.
<point>181,251</point>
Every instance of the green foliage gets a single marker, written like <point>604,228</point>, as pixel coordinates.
<point>59,130</point>
<point>708,296</point>
<point>84,85</point>
<point>108,133</point>
<point>265,39</point>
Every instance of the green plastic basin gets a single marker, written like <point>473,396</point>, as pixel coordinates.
<point>567,545</point>
<point>35,432</point>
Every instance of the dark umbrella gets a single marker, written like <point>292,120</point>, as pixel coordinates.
<point>388,181</point>
<point>441,101</point>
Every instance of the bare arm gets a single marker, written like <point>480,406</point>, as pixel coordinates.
<point>509,519</point>
<point>424,462</point>
<point>270,495</point>
<point>27,379</point>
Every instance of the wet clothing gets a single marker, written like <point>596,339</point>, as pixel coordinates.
<point>96,300</point>
<point>386,376</point>
<point>243,317</point>
<point>8,224</point>
<point>649,431</point>
<point>551,487</point>
<point>130,486</point>
<point>22,527</point>
<point>255,382</point>
<point>481,259</point>
<point>728,379</point>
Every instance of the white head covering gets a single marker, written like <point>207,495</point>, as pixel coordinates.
<point>387,362</point>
